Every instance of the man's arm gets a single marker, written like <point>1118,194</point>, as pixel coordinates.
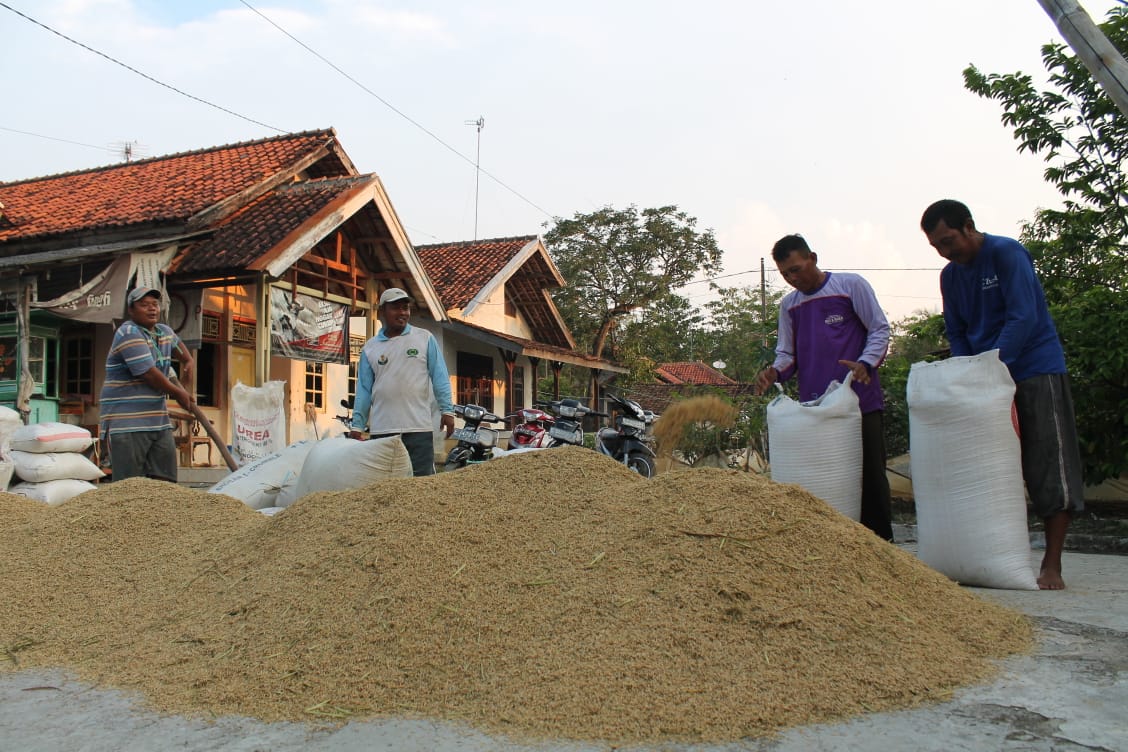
<point>1019,285</point>
<point>440,384</point>
<point>362,401</point>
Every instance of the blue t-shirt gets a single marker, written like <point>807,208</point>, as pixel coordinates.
<point>996,301</point>
<point>127,402</point>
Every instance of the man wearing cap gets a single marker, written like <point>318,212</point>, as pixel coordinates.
<point>133,403</point>
<point>401,372</point>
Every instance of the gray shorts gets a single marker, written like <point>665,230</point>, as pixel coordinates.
<point>143,454</point>
<point>1051,454</point>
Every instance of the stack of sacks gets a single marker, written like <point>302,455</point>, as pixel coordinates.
<point>48,459</point>
<point>9,422</point>
<point>259,484</point>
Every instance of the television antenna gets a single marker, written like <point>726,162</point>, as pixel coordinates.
<point>480,123</point>
<point>129,150</point>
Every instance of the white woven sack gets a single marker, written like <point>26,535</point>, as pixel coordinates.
<point>52,492</point>
<point>7,470</point>
<point>38,467</point>
<point>259,484</point>
<point>818,445</point>
<point>10,420</point>
<point>258,415</point>
<point>338,463</point>
<point>967,472</point>
<point>51,437</point>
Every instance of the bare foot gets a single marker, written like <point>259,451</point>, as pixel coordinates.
<point>1050,579</point>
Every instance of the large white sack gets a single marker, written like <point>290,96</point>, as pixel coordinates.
<point>818,445</point>
<point>52,492</point>
<point>51,437</point>
<point>338,463</point>
<point>258,416</point>
<point>258,484</point>
<point>967,472</point>
<point>39,467</point>
<point>7,470</point>
<point>9,421</point>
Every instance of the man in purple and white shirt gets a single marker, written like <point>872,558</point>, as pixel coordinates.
<point>832,325</point>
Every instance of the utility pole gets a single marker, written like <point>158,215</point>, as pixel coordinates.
<point>763,306</point>
<point>1092,47</point>
<point>480,123</point>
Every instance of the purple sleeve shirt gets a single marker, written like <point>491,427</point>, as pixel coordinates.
<point>839,321</point>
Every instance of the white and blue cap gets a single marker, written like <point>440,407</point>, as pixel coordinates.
<point>139,292</point>
<point>391,295</point>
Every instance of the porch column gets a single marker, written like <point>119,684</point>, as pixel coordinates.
<point>262,331</point>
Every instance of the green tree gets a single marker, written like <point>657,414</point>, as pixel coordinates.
<point>1079,249</point>
<point>742,330</point>
<point>617,261</point>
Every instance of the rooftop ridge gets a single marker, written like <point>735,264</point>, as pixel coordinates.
<point>482,241</point>
<point>327,132</point>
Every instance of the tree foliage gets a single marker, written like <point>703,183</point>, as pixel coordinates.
<point>917,338</point>
<point>1080,248</point>
<point>617,261</point>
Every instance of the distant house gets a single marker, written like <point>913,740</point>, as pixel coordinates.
<point>501,324</point>
<point>685,379</point>
<point>272,254</point>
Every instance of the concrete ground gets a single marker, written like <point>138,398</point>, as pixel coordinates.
<point>1070,694</point>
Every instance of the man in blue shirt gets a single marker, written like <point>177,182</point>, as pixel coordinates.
<point>401,372</point>
<point>993,300</point>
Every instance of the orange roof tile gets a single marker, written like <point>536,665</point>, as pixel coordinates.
<point>460,270</point>
<point>692,372</point>
<point>156,192</point>
<point>257,228</point>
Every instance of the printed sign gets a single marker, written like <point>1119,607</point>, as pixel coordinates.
<point>307,328</point>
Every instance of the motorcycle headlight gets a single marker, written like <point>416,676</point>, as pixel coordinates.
<point>473,412</point>
<point>568,411</point>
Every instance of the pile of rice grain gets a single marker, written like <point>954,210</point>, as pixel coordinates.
<point>546,594</point>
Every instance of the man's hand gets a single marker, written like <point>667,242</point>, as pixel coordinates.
<point>859,369</point>
<point>765,379</point>
<point>355,434</point>
<point>448,424</point>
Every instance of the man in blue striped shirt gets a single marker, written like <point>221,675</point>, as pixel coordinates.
<point>133,403</point>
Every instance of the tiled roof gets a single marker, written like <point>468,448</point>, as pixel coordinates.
<point>156,192</point>
<point>257,228</point>
<point>459,271</point>
<point>691,372</point>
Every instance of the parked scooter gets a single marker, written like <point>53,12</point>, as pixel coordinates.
<point>627,441</point>
<point>532,432</point>
<point>346,419</point>
<point>475,441</point>
<point>568,426</point>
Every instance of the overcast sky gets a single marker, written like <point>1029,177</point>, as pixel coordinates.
<point>837,120</point>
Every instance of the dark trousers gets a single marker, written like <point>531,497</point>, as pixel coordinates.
<point>877,505</point>
<point>420,448</point>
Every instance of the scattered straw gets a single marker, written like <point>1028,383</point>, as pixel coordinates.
<point>522,596</point>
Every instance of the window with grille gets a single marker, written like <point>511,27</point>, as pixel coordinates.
<point>474,380</point>
<point>315,384</point>
<point>78,363</point>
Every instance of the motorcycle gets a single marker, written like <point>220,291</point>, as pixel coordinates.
<point>628,441</point>
<point>475,441</point>
<point>346,419</point>
<point>568,424</point>
<point>532,432</point>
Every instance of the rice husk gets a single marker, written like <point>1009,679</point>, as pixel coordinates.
<point>548,594</point>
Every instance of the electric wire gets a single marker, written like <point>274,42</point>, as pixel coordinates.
<point>400,112</point>
<point>53,138</point>
<point>146,76</point>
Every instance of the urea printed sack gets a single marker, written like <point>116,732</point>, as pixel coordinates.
<point>818,445</point>
<point>51,437</point>
<point>258,484</point>
<point>37,467</point>
<point>258,420</point>
<point>967,472</point>
<point>339,463</point>
<point>52,492</point>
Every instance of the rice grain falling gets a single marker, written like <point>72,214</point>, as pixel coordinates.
<point>549,594</point>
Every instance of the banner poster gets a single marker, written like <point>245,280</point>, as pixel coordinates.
<point>306,328</point>
<point>99,301</point>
